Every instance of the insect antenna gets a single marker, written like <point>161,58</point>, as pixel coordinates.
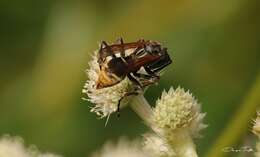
<point>120,41</point>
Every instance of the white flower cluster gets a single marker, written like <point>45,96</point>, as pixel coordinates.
<point>178,109</point>
<point>14,147</point>
<point>124,148</point>
<point>176,119</point>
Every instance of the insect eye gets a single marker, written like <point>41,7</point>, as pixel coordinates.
<point>153,48</point>
<point>149,48</point>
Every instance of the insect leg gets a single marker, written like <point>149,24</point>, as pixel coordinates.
<point>149,71</point>
<point>147,79</point>
<point>126,95</point>
<point>135,81</point>
<point>121,42</point>
<point>145,76</point>
<point>158,68</point>
<point>103,44</point>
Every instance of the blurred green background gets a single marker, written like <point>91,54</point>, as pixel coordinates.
<point>45,47</point>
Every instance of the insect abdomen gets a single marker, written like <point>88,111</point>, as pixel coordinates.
<point>106,79</point>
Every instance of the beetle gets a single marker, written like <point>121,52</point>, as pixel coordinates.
<point>140,61</point>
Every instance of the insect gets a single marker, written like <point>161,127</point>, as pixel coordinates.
<point>140,61</point>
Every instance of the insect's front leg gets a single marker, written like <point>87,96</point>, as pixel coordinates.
<point>135,92</point>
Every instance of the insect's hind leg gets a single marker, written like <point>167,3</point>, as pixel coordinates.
<point>126,95</point>
<point>139,87</point>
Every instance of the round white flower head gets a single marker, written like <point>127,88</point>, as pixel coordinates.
<point>176,110</point>
<point>105,99</point>
<point>48,155</point>
<point>177,119</point>
<point>123,148</point>
<point>14,147</point>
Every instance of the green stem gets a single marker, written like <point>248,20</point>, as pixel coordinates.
<point>183,144</point>
<point>141,107</point>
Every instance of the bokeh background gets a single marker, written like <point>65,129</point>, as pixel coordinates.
<point>45,47</point>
